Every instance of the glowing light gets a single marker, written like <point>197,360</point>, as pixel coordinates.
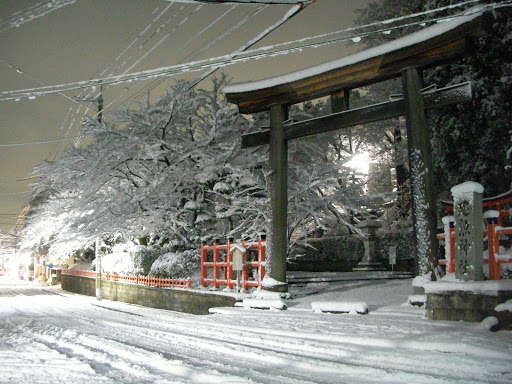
<point>360,162</point>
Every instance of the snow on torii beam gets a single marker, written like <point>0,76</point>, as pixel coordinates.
<point>430,46</point>
<point>403,57</point>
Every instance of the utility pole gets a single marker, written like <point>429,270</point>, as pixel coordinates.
<point>99,100</point>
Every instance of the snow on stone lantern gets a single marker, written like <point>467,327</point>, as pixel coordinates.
<point>467,201</point>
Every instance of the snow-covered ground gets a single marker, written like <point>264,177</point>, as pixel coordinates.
<point>51,336</point>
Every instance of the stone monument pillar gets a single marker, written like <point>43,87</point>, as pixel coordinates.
<point>369,262</point>
<point>467,201</point>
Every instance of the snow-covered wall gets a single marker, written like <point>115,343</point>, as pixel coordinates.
<point>174,300</point>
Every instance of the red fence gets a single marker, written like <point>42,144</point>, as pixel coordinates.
<point>217,264</point>
<point>140,280</point>
<point>493,235</point>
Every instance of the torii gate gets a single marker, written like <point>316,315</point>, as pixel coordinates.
<point>405,57</point>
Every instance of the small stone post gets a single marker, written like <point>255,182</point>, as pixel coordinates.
<point>369,263</point>
<point>467,200</point>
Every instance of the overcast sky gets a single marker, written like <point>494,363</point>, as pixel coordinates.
<point>81,39</point>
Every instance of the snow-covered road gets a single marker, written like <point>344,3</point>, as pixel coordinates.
<point>50,336</point>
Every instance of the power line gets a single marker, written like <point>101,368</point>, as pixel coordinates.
<point>269,2</point>
<point>37,142</point>
<point>14,194</point>
<point>220,61</point>
<point>32,13</point>
<point>126,60</point>
<point>18,70</point>
<point>197,51</point>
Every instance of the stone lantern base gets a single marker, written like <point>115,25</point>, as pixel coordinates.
<point>368,267</point>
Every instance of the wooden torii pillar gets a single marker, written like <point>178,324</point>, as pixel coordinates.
<point>404,57</point>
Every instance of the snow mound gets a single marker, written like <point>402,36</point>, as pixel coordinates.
<point>264,304</point>
<point>359,307</point>
<point>489,287</point>
<point>490,323</point>
<point>420,281</point>
<point>417,300</point>
<point>506,306</point>
<point>268,282</point>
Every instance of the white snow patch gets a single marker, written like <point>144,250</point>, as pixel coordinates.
<point>491,214</point>
<point>264,304</point>
<point>192,205</point>
<point>490,288</point>
<point>222,187</point>
<point>489,322</point>
<point>359,307</point>
<point>466,188</point>
<point>506,306</point>
<point>417,299</point>
<point>420,281</point>
<point>269,282</point>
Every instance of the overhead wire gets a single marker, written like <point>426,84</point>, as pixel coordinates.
<point>139,59</point>
<point>31,13</point>
<point>198,51</point>
<point>14,194</point>
<point>36,142</point>
<point>252,54</point>
<point>110,66</point>
<point>224,60</point>
<point>21,72</point>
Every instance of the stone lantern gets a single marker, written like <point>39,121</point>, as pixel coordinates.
<point>369,261</point>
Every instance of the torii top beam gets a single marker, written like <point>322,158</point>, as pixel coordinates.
<point>434,45</point>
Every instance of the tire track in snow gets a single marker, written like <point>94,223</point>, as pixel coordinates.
<point>377,358</point>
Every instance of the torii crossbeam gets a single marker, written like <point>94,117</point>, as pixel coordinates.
<point>405,57</point>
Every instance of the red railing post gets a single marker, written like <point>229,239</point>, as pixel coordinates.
<point>452,248</point>
<point>204,259</point>
<point>262,258</point>
<point>245,272</point>
<point>229,267</point>
<point>216,261</point>
<point>492,218</point>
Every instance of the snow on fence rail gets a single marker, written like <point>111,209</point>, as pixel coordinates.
<point>217,264</point>
<point>140,280</point>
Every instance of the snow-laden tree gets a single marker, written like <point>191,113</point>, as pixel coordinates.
<point>172,173</point>
<point>165,171</point>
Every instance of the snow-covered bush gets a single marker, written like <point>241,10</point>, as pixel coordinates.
<point>129,259</point>
<point>143,257</point>
<point>176,264</point>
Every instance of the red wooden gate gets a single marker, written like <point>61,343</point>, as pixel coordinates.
<point>217,264</point>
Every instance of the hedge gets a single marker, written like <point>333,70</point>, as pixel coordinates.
<point>342,253</point>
